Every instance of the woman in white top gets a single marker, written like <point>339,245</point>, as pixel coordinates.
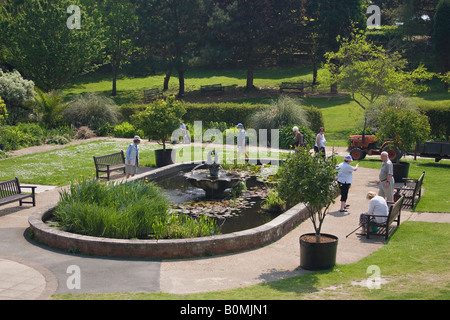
<point>320,142</point>
<point>377,206</point>
<point>345,179</point>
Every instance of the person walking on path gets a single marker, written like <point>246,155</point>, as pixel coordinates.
<point>386,178</point>
<point>345,180</point>
<point>241,141</point>
<point>298,140</point>
<point>319,146</point>
<point>132,158</point>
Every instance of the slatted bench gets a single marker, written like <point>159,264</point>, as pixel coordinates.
<point>411,189</point>
<point>109,162</point>
<point>382,229</point>
<point>296,86</point>
<point>212,88</point>
<point>152,94</point>
<point>11,191</point>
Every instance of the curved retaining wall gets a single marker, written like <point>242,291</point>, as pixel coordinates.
<point>166,249</point>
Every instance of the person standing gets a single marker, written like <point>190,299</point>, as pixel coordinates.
<point>319,146</point>
<point>345,180</point>
<point>241,141</point>
<point>298,140</point>
<point>132,158</point>
<point>386,178</point>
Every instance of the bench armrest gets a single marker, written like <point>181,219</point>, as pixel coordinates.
<point>31,187</point>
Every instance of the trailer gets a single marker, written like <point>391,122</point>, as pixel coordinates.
<point>434,149</point>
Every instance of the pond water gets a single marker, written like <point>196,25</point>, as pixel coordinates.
<point>232,213</point>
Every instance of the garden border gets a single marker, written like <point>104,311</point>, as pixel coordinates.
<point>165,248</point>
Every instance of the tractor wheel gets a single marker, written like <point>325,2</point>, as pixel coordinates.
<point>357,154</point>
<point>394,152</point>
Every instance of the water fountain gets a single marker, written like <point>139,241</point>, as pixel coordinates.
<point>213,181</point>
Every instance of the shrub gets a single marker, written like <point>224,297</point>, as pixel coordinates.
<point>84,133</point>
<point>439,117</point>
<point>125,211</point>
<point>230,113</point>
<point>3,112</point>
<point>160,119</point>
<point>126,130</point>
<point>13,138</point>
<point>285,111</point>
<point>91,110</point>
<point>286,137</point>
<point>15,90</point>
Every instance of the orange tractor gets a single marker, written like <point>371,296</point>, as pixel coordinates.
<point>362,145</point>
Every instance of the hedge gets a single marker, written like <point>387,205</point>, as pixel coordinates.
<point>439,117</point>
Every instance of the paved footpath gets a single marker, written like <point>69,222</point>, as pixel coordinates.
<point>32,271</point>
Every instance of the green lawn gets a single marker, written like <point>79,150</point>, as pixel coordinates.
<point>72,163</point>
<point>411,271</point>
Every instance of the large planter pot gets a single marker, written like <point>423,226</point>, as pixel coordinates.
<point>164,157</point>
<point>318,256</point>
<point>401,170</point>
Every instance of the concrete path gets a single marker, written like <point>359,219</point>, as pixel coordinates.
<point>32,271</point>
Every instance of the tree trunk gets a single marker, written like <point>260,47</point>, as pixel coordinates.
<point>333,88</point>
<point>167,79</point>
<point>114,84</point>
<point>250,85</point>
<point>181,82</point>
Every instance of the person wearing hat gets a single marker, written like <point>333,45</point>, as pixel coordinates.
<point>132,158</point>
<point>241,141</point>
<point>345,180</point>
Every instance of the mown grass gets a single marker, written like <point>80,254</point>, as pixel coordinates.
<point>73,163</point>
<point>411,271</point>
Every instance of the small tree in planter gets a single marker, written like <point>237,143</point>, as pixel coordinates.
<point>160,119</point>
<point>406,127</point>
<point>310,179</point>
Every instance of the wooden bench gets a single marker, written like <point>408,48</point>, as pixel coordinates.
<point>382,229</point>
<point>411,189</point>
<point>296,86</point>
<point>11,191</point>
<point>212,88</point>
<point>152,94</point>
<point>109,162</point>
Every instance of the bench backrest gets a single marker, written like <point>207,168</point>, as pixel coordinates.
<point>292,84</point>
<point>419,183</point>
<point>111,159</point>
<point>395,210</point>
<point>9,188</point>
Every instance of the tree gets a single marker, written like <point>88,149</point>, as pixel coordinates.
<point>119,23</point>
<point>368,71</point>
<point>254,30</point>
<point>325,20</point>
<point>309,179</point>
<point>405,127</point>
<point>160,119</point>
<point>441,34</point>
<point>171,30</point>
<point>41,46</point>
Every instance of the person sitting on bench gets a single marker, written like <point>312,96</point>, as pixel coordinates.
<point>377,206</point>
